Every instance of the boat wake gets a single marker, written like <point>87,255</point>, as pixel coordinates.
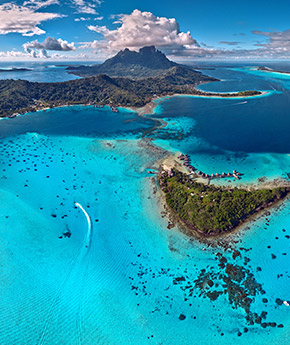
<point>76,275</point>
<point>273,87</point>
<point>89,233</point>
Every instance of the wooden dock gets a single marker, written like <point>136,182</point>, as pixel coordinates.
<point>186,161</point>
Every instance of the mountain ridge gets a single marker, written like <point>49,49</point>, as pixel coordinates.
<point>147,62</point>
<point>147,56</point>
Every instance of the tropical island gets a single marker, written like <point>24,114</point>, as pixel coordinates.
<point>209,210</point>
<point>147,62</point>
<point>14,69</point>
<point>271,70</point>
<point>163,78</point>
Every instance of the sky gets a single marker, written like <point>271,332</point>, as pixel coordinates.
<point>185,30</point>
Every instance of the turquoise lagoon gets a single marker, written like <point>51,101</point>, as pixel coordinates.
<point>134,281</point>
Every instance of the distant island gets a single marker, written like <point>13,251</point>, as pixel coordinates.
<point>163,78</point>
<point>210,210</point>
<point>16,70</point>
<point>268,69</point>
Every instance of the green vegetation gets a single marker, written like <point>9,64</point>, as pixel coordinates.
<point>212,210</point>
<point>163,77</point>
<point>19,96</point>
<point>247,93</point>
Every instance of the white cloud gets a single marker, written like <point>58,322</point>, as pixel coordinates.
<point>39,50</point>
<point>140,29</point>
<point>230,43</point>
<point>18,55</point>
<point>87,6</point>
<point>278,41</point>
<point>50,43</point>
<point>83,19</point>
<point>276,46</point>
<point>99,29</point>
<point>12,54</point>
<point>24,19</point>
<point>37,4</point>
<point>57,56</point>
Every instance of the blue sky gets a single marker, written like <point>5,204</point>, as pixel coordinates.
<point>184,30</point>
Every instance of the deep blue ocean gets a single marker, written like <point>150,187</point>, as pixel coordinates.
<point>127,278</point>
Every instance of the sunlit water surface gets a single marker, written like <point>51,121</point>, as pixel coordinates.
<point>128,279</point>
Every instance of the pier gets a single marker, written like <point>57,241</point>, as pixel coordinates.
<point>186,162</point>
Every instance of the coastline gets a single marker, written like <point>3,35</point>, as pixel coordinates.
<point>268,70</point>
<point>171,161</point>
<point>149,108</point>
<point>208,94</point>
<point>225,239</point>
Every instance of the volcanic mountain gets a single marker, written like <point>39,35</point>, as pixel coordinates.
<point>147,62</point>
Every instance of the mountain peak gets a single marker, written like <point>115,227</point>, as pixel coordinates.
<point>148,57</point>
<point>148,49</point>
<point>147,62</point>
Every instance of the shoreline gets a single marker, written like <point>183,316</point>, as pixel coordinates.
<point>171,160</point>
<point>269,70</point>
<point>193,232</point>
<point>149,108</point>
<point>225,239</point>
